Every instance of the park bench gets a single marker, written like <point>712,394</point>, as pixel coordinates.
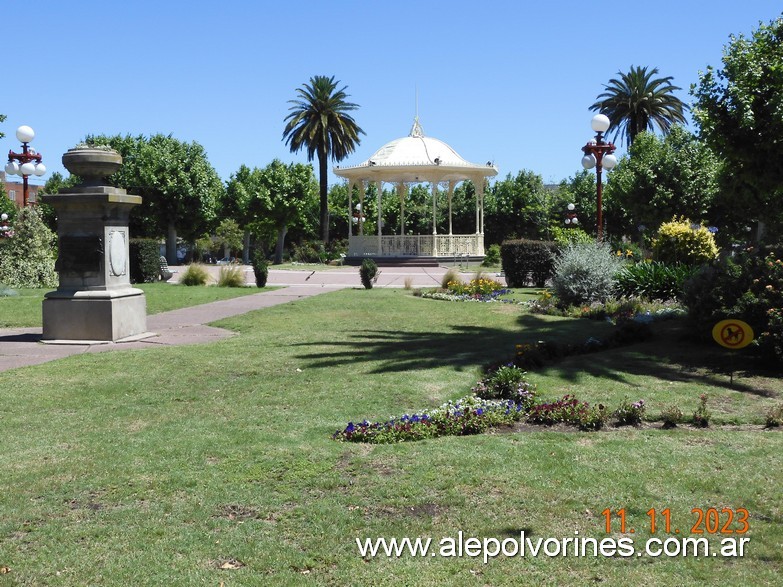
<point>165,272</point>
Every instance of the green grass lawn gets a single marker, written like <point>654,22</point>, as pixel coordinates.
<point>24,309</point>
<point>159,467</point>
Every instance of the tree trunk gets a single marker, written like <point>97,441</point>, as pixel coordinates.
<point>246,248</point>
<point>281,232</point>
<point>324,190</point>
<point>171,244</point>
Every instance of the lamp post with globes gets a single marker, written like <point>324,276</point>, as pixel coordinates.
<point>599,154</point>
<point>26,163</point>
<point>571,221</point>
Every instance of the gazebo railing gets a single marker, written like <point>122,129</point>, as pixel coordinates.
<point>424,245</point>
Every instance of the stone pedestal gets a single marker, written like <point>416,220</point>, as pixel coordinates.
<point>95,301</point>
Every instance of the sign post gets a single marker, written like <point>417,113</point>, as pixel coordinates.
<point>732,334</point>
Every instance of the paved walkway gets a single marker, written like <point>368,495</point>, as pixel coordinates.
<point>21,347</point>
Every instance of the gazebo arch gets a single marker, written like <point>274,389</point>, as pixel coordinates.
<point>412,160</point>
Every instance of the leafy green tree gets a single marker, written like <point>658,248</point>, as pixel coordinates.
<point>181,190</point>
<point>636,102</point>
<point>229,236</point>
<point>515,207</point>
<point>289,188</point>
<point>739,112</point>
<point>580,190</point>
<point>319,122</point>
<point>676,175</point>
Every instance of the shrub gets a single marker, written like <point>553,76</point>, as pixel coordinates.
<point>144,260</point>
<point>630,414</point>
<point>195,274</point>
<point>408,283</point>
<point>584,274</point>
<point>569,236</point>
<point>679,241</point>
<point>479,286</point>
<point>654,281</point>
<point>672,415</point>
<point>491,256</point>
<point>567,410</point>
<point>367,273</point>
<point>231,276</point>
<point>309,252</point>
<point>774,416</point>
<point>748,287</point>
<point>28,257</point>
<point>528,257</point>
<point>701,417</point>
<point>260,268</point>
<point>507,382</point>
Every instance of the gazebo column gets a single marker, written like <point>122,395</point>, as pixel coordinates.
<point>478,226</point>
<point>434,207</point>
<point>362,189</point>
<point>451,194</point>
<point>480,196</point>
<point>379,185</point>
<point>350,208</point>
<point>401,191</point>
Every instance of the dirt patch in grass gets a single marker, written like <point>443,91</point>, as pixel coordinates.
<point>237,512</point>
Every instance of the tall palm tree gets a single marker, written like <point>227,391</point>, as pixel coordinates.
<point>319,121</point>
<point>636,102</point>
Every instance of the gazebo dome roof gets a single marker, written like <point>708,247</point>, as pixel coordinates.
<point>416,158</point>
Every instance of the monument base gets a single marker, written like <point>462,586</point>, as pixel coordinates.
<point>94,316</point>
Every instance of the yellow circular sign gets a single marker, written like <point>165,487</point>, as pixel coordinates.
<point>732,334</point>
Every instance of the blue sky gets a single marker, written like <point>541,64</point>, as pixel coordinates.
<point>506,81</point>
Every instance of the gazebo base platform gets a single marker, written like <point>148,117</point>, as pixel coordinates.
<point>416,261</point>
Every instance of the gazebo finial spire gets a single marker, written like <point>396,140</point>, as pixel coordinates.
<point>416,130</point>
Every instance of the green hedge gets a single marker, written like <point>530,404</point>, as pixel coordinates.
<point>144,260</point>
<point>527,261</point>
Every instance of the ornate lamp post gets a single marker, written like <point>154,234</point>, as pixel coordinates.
<point>571,220</point>
<point>26,163</point>
<point>598,154</point>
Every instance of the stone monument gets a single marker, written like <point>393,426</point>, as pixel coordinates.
<point>95,301</point>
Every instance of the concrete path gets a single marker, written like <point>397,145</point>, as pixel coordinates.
<point>21,347</point>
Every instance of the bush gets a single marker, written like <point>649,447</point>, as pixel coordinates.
<point>491,256</point>
<point>679,241</point>
<point>309,252</point>
<point>748,287</point>
<point>654,281</point>
<point>701,417</point>
<point>528,257</point>
<point>144,260</point>
<point>774,416</point>
<point>260,268</point>
<point>569,236</point>
<point>630,414</point>
<point>195,274</point>
<point>507,383</point>
<point>367,273</point>
<point>231,276</point>
<point>672,415</point>
<point>584,274</point>
<point>28,257</point>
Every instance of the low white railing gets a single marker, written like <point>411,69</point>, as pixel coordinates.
<point>423,245</point>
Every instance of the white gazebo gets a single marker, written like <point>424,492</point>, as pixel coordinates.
<point>411,160</point>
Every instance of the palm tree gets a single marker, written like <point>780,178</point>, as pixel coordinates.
<point>319,121</point>
<point>636,102</point>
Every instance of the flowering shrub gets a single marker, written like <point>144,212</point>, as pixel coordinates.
<point>507,383</point>
<point>680,241</point>
<point>568,410</point>
<point>630,414</point>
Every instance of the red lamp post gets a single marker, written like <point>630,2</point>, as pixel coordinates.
<point>26,163</point>
<point>598,154</point>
